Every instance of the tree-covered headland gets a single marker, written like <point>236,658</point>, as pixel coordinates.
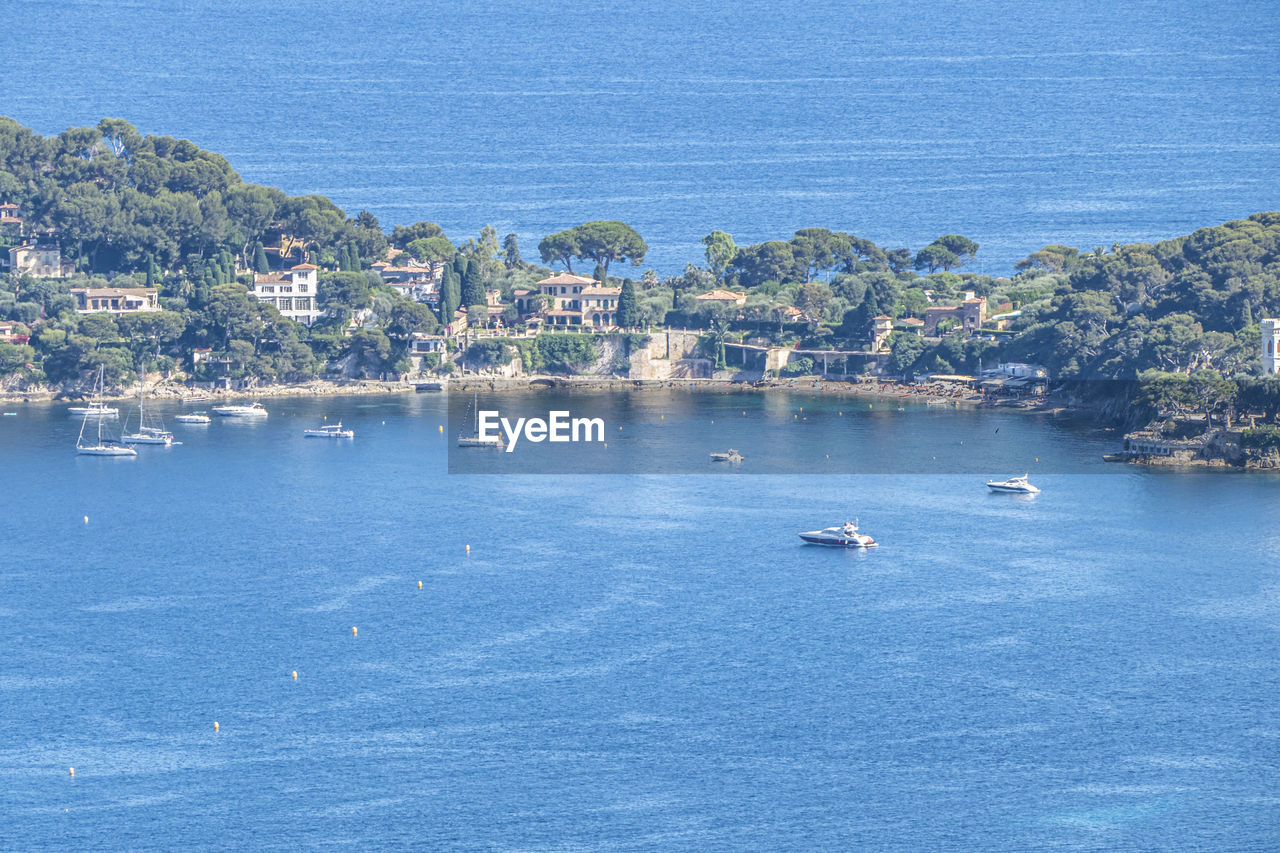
<point>1175,324</point>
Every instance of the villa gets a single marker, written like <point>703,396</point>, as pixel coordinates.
<point>39,262</point>
<point>573,300</point>
<point>116,300</point>
<point>293,293</point>
<point>722,297</point>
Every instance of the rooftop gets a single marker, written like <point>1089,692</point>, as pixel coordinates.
<point>568,278</point>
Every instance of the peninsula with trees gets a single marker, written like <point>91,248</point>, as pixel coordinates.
<point>153,259</point>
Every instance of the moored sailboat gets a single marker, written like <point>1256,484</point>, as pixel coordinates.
<point>105,445</point>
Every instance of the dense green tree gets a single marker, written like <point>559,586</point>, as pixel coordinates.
<point>628,314</point>
<point>935,257</point>
<point>772,261</point>
<point>720,251</point>
<point>511,251</point>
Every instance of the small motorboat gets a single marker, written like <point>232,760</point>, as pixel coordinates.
<point>1015,485</point>
<point>729,455</point>
<point>841,536</point>
<point>330,431</point>
<point>494,441</point>
<point>193,418</point>
<point>253,410</point>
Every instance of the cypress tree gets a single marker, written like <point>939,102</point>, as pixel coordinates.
<point>344,260</point>
<point>151,271</point>
<point>260,259</point>
<point>354,252</point>
<point>628,311</point>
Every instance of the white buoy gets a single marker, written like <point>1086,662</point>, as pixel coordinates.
<point>86,519</point>
<point>295,675</point>
<point>419,584</point>
<point>468,549</point>
<point>73,773</point>
<point>215,725</point>
<point>353,630</point>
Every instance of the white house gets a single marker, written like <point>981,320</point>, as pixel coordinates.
<point>39,262</point>
<point>294,292</point>
<point>1271,347</point>
<point>116,300</point>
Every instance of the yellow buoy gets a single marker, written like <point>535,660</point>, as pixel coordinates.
<point>441,427</point>
<point>1037,458</point>
<point>215,725</point>
<point>419,584</point>
<point>868,405</point>
<point>384,423</point>
<point>86,519</point>
<point>353,630</point>
<point>295,675</point>
<point>73,773</point>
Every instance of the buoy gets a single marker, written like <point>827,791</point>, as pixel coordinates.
<point>419,584</point>
<point>468,549</point>
<point>868,405</point>
<point>441,427</point>
<point>353,630</point>
<point>384,423</point>
<point>326,417</point>
<point>619,429</point>
<point>713,421</point>
<point>295,675</point>
<point>215,725</point>
<point>73,773</point>
<point>1037,458</point>
<point>744,413</point>
<point>842,414</point>
<point>86,519</point>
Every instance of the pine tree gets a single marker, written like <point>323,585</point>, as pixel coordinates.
<point>511,246</point>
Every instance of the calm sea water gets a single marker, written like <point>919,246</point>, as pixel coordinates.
<point>1083,122</point>
<point>623,662</point>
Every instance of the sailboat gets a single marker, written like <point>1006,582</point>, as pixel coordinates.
<point>105,446</point>
<point>475,439</point>
<point>148,433</point>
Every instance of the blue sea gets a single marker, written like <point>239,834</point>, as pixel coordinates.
<point>1016,124</point>
<point>628,662</point>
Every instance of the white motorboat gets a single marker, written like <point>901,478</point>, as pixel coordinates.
<point>95,409</point>
<point>1014,485</point>
<point>729,455</point>
<point>253,410</point>
<point>193,418</point>
<point>841,536</point>
<point>105,445</point>
<point>330,431</point>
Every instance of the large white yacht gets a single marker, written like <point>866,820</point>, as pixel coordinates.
<point>1016,485</point>
<point>841,536</point>
<point>95,409</point>
<point>253,410</point>
<point>330,431</point>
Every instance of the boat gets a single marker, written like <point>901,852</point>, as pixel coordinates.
<point>196,397</point>
<point>148,433</point>
<point>253,410</point>
<point>193,418</point>
<point>105,445</point>
<point>729,455</point>
<point>95,409</point>
<point>1115,457</point>
<point>1016,485</point>
<point>841,536</point>
<point>477,440</point>
<point>330,431</point>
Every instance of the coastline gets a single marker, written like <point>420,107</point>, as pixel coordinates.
<point>933,394</point>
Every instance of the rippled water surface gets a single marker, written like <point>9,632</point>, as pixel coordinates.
<point>623,662</point>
